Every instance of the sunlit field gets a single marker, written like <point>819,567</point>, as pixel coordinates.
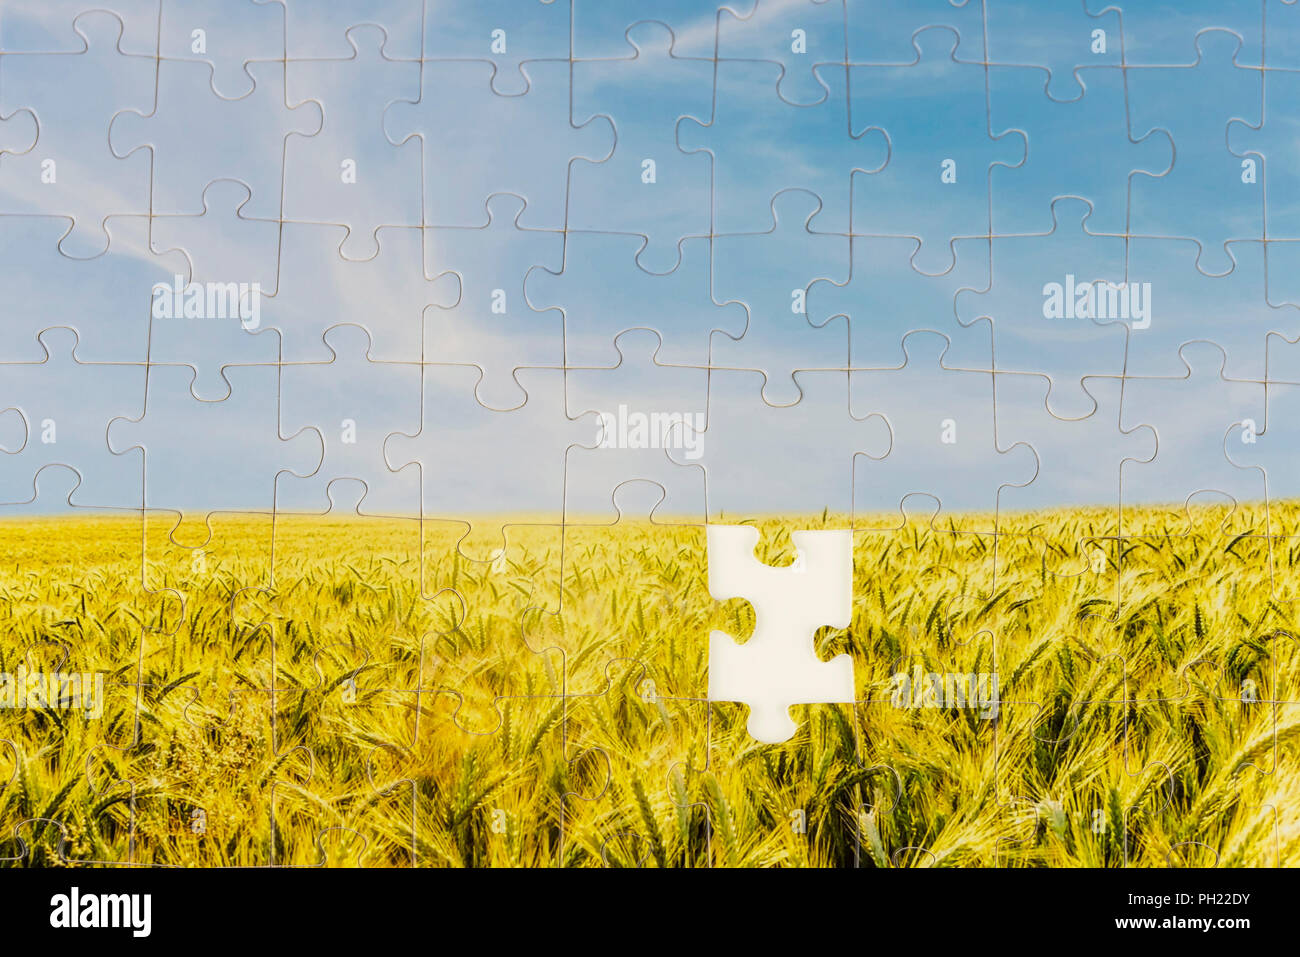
<point>306,692</point>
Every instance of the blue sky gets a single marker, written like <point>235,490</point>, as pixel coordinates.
<point>830,248</point>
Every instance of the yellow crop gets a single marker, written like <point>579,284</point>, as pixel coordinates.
<point>302,691</point>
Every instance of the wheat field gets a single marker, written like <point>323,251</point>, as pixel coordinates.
<point>303,691</point>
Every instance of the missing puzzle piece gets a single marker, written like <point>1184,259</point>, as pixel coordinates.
<point>777,667</point>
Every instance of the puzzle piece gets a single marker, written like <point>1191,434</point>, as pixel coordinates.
<point>349,173</point>
<point>107,300</point>
<point>1066,448</point>
<point>353,432</point>
<point>610,824</point>
<point>1268,141</point>
<point>467,132</point>
<point>749,118</point>
<point>894,728</point>
<point>1059,306</point>
<point>818,435</point>
<point>1268,449</point>
<point>319,289</point>
<point>217,448</point>
<point>1179,830</point>
<point>599,267</point>
<point>1020,196</point>
<point>538,430</point>
<point>1225,419</point>
<point>1088,691</point>
<point>946,169</point>
<point>944,445</point>
<point>648,186</point>
<point>72,170</point>
<point>58,427</point>
<point>1248,688</point>
<point>214,307</point>
<point>492,317</point>
<point>196,136</point>
<point>779,338</point>
<point>1088,456</point>
<point>135,825</point>
<point>1191,305</point>
<point>646,410</point>
<point>317,688</point>
<point>794,822</point>
<point>467,618</point>
<point>777,668</point>
<point>444,783</point>
<point>635,543</point>
<point>1206,174</point>
<point>884,293</point>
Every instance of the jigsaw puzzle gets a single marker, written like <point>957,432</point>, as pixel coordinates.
<point>691,433</point>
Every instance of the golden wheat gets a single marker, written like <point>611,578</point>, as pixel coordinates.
<point>302,691</point>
